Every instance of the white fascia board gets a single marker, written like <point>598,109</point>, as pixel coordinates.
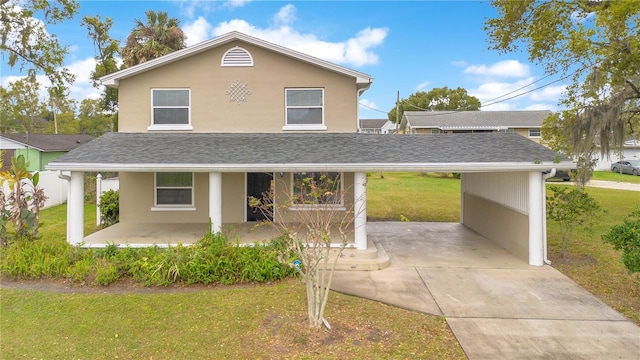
<point>386,167</point>
<point>112,79</point>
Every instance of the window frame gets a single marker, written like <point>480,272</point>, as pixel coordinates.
<point>539,131</point>
<point>154,126</point>
<point>288,126</point>
<point>173,207</point>
<point>339,205</point>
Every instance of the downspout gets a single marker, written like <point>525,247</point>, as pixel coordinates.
<point>551,174</point>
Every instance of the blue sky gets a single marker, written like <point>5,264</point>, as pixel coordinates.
<point>406,46</point>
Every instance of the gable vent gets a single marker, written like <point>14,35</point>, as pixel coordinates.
<point>237,56</point>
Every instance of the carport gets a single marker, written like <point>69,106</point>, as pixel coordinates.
<point>502,185</point>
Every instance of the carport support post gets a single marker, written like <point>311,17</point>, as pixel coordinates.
<point>536,219</point>
<point>360,210</point>
<point>215,201</point>
<point>75,208</point>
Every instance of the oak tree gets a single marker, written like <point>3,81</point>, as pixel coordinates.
<point>437,99</point>
<point>595,44</point>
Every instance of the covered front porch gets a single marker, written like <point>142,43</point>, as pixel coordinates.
<point>172,234</point>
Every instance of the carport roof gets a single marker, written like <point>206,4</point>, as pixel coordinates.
<point>228,152</point>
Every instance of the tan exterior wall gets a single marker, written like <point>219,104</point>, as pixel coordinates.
<point>264,109</point>
<point>233,198</point>
<point>137,194</point>
<point>137,199</point>
<point>504,226</point>
<point>523,132</point>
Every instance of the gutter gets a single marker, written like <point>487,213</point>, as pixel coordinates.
<point>552,173</point>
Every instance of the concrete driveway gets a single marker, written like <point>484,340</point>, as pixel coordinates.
<point>497,305</point>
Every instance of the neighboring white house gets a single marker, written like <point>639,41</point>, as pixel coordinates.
<point>630,151</point>
<point>376,126</point>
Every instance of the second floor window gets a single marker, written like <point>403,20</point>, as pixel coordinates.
<point>170,107</point>
<point>534,132</point>
<point>304,108</point>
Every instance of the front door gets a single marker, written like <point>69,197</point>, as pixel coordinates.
<point>258,184</point>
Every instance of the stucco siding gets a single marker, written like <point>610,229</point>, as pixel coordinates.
<point>137,200</point>
<point>500,224</point>
<point>264,109</point>
<point>233,198</point>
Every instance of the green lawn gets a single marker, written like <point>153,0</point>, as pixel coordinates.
<point>611,176</point>
<point>268,321</point>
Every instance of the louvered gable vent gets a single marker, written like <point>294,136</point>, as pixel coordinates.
<point>237,56</point>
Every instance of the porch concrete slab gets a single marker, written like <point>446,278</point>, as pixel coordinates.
<point>542,293</point>
<point>497,305</point>
<point>401,287</point>
<point>440,245</point>
<point>493,338</point>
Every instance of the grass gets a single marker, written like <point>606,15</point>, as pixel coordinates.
<point>259,322</point>
<point>413,197</point>
<point>268,321</point>
<point>611,176</point>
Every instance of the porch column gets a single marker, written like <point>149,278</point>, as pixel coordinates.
<point>215,201</point>
<point>536,218</point>
<point>75,208</point>
<point>360,209</point>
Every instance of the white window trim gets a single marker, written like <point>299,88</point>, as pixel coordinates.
<point>303,127</point>
<point>535,136</point>
<point>170,127</point>
<point>302,207</point>
<point>169,207</point>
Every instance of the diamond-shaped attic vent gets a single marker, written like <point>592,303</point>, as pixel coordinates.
<point>237,56</point>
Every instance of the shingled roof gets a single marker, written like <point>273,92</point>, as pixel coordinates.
<point>50,142</point>
<point>475,119</point>
<point>229,152</point>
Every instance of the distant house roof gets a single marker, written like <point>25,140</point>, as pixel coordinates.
<point>232,152</point>
<point>372,123</point>
<point>362,79</point>
<point>467,120</point>
<point>49,142</point>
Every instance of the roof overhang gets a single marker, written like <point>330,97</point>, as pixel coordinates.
<point>344,167</point>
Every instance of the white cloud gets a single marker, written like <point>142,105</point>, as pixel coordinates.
<point>541,106</point>
<point>422,86</point>
<point>548,93</point>
<point>506,68</point>
<point>197,31</point>
<point>355,51</point>
<point>370,105</point>
<point>236,3</point>
<point>286,15</point>
<point>502,92</point>
<point>459,63</point>
<point>83,88</point>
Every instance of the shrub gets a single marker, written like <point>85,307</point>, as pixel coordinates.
<point>110,207</point>
<point>626,237</point>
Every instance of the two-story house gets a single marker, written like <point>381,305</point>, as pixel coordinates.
<point>204,128</point>
<point>525,123</point>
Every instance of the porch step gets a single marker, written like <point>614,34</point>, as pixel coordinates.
<point>373,258</point>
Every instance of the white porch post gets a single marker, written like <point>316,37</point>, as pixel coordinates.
<point>215,201</point>
<point>360,209</point>
<point>75,208</point>
<point>536,218</point>
<point>98,194</point>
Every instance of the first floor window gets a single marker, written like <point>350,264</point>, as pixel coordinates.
<point>313,188</point>
<point>174,189</point>
<point>304,106</point>
<point>170,106</point>
<point>534,132</point>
